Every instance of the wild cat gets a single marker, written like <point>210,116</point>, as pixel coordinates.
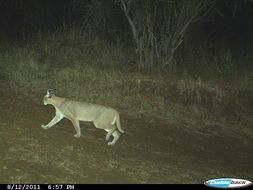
<point>103,117</point>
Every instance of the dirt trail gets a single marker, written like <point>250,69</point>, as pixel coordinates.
<point>152,151</point>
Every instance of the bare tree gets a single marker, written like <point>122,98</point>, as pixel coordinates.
<point>177,16</point>
<point>161,32</point>
<point>141,15</point>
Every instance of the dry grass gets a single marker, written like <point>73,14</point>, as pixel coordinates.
<point>83,67</point>
<point>181,128</point>
<point>188,149</point>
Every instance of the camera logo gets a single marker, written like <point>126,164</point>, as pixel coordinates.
<point>228,183</point>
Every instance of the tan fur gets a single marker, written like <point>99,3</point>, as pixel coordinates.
<point>103,117</point>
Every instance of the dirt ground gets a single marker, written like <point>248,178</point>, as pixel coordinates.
<point>152,150</point>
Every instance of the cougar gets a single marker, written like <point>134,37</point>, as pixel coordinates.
<point>102,117</point>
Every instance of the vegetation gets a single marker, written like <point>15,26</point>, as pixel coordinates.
<point>81,62</point>
<point>178,71</point>
<point>101,72</point>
